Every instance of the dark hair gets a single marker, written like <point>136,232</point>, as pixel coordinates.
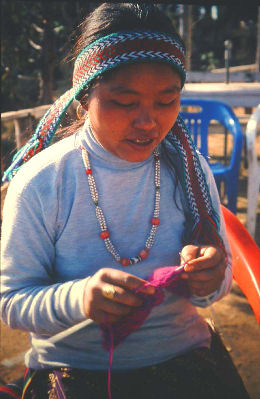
<point>111,18</point>
<point>117,17</point>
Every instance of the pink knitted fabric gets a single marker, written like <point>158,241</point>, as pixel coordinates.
<point>164,277</point>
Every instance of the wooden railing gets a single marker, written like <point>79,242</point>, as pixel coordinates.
<point>220,76</point>
<point>206,85</point>
<point>28,114</point>
<point>18,116</point>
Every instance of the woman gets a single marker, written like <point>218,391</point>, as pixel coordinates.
<point>88,220</point>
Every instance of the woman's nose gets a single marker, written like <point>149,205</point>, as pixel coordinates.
<point>145,119</point>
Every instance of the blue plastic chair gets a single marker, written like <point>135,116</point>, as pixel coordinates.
<point>198,124</point>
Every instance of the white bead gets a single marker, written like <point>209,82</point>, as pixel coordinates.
<point>101,218</point>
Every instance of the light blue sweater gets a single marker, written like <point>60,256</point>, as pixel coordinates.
<point>51,244</point>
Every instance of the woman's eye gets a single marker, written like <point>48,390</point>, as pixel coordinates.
<point>120,104</point>
<point>166,103</point>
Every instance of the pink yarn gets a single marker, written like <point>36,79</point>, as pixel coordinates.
<point>165,277</point>
<point>113,334</point>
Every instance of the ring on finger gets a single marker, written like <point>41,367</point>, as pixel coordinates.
<point>108,291</point>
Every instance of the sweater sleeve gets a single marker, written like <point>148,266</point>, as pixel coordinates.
<point>31,298</point>
<point>225,287</point>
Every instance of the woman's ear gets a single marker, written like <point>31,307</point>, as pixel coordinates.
<point>84,105</point>
<point>81,111</point>
<point>84,101</point>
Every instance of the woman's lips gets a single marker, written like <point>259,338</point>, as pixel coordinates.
<point>140,142</point>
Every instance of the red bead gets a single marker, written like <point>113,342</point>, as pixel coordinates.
<point>104,235</point>
<point>155,221</point>
<point>144,253</point>
<point>125,261</point>
<point>89,171</point>
<point>156,157</point>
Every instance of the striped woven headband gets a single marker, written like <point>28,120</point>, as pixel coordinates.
<point>104,55</point>
<point>101,56</point>
<point>124,48</point>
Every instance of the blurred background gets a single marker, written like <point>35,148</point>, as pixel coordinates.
<point>36,35</point>
<point>223,61</point>
<point>222,45</point>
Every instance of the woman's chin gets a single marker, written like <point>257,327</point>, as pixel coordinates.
<point>135,157</point>
<point>136,152</point>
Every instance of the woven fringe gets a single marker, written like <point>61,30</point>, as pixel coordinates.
<point>202,221</point>
<point>43,135</point>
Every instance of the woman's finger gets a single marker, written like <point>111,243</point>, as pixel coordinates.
<point>102,317</point>
<point>126,280</point>
<point>189,252</point>
<point>121,295</point>
<point>113,292</point>
<point>95,302</point>
<point>209,257</point>
<point>205,282</point>
<point>115,308</point>
<point>208,274</point>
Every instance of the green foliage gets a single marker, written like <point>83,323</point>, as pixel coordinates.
<point>209,61</point>
<point>236,23</point>
<point>31,54</point>
<point>35,36</point>
<point>18,59</point>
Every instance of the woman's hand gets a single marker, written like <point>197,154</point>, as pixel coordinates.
<point>205,269</point>
<point>109,295</point>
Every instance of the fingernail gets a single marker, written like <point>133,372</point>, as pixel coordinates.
<point>187,268</point>
<point>150,289</point>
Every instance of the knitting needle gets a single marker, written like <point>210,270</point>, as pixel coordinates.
<point>71,330</point>
<point>184,264</point>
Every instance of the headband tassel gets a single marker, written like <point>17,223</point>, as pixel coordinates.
<point>43,135</point>
<point>106,54</point>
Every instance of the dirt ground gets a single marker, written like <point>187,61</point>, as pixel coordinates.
<point>232,316</point>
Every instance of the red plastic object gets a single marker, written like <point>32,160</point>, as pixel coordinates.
<point>246,260</point>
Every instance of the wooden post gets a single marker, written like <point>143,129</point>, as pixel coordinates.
<point>47,55</point>
<point>189,38</point>
<point>29,123</point>
<point>257,60</point>
<point>187,33</point>
<point>17,128</point>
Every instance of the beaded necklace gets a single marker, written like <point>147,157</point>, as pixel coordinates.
<point>105,54</point>
<point>105,235</point>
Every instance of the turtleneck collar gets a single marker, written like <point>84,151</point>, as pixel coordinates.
<point>107,158</point>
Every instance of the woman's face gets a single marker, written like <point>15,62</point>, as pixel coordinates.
<point>132,111</point>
